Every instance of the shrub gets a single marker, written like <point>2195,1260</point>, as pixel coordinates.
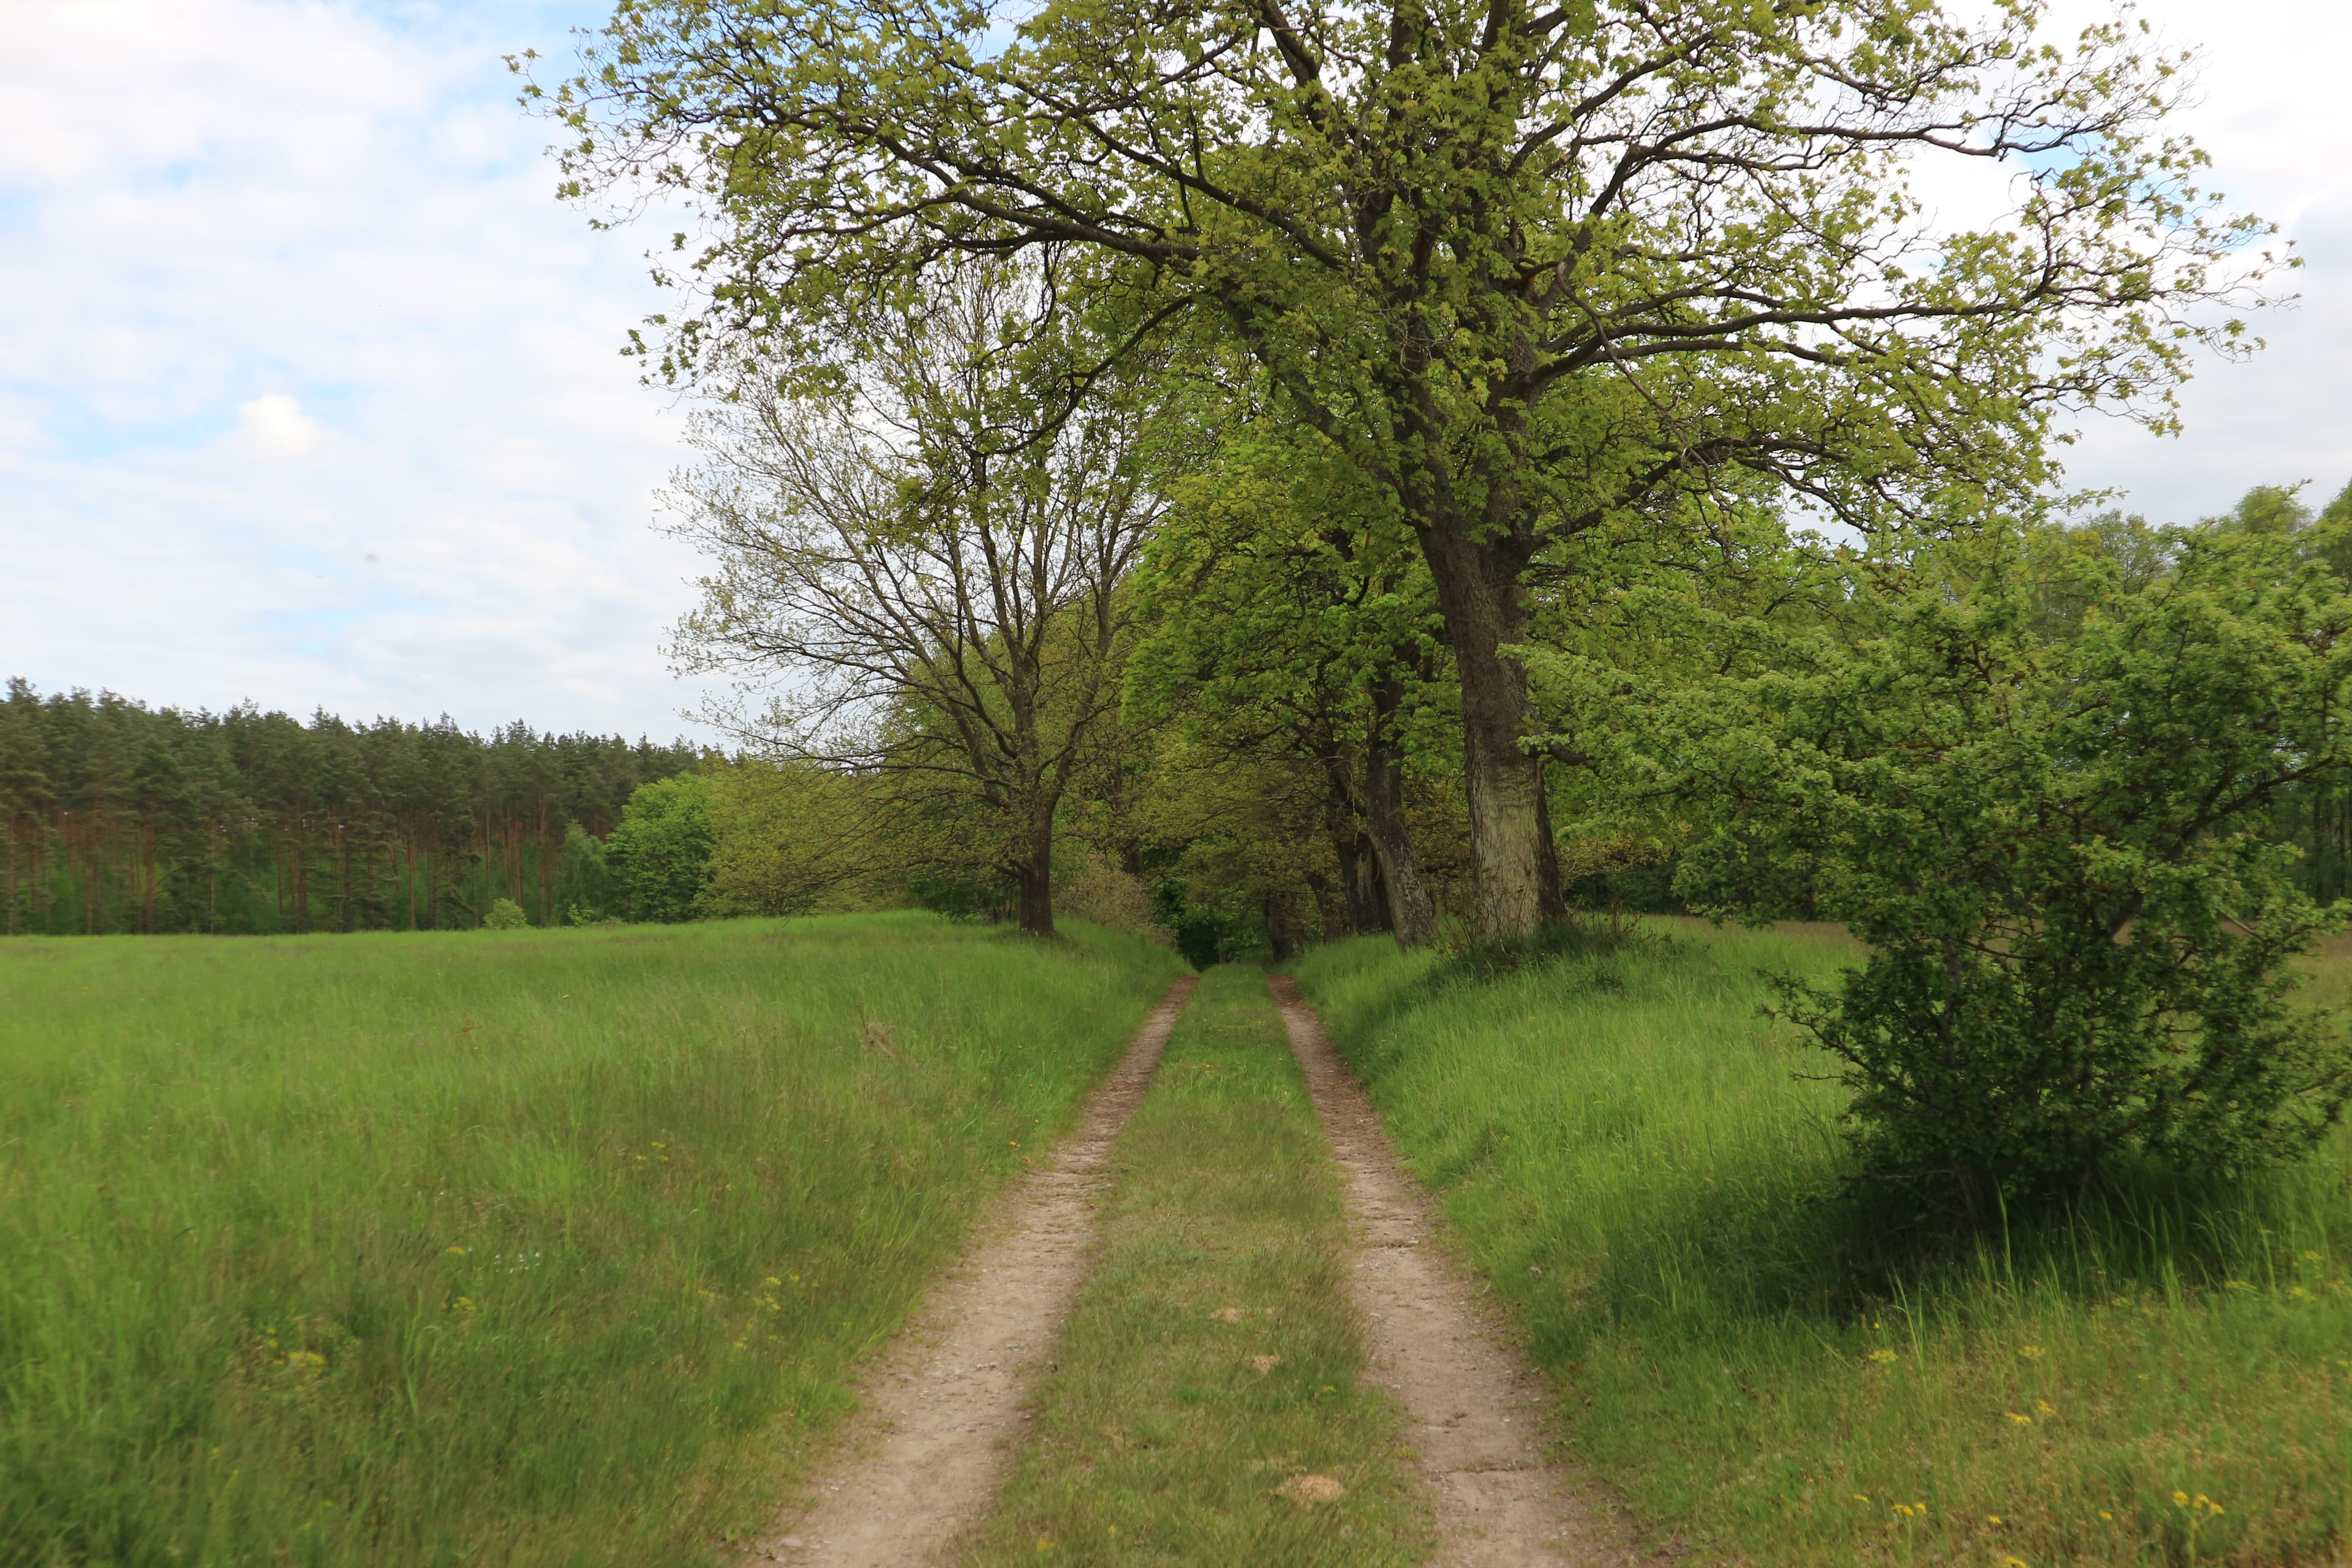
<point>505,915</point>
<point>1109,896</point>
<point>2054,845</point>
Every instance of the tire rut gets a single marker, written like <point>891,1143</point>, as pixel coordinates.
<point>926,1455</point>
<point>1475,1409</point>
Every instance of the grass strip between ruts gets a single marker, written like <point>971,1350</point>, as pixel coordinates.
<point>1205,1400</point>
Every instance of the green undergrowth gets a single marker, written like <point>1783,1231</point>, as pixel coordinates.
<point>1776,1373</point>
<point>531,1248</point>
<point>1206,1391</point>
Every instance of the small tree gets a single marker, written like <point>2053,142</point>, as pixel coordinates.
<point>2055,847</point>
<point>660,854</point>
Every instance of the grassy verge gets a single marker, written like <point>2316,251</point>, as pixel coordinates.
<point>501,1248</point>
<point>1631,1154</point>
<point>1210,1368</point>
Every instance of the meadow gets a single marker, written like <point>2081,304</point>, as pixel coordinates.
<point>525,1248</point>
<point>1773,1372</point>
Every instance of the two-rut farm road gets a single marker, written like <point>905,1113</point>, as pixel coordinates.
<point>945,1407</point>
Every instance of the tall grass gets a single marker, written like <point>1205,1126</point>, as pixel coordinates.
<point>546,1246</point>
<point>1776,1373</point>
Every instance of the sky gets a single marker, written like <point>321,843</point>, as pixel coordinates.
<point>310,392</point>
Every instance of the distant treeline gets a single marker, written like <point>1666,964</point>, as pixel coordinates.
<point>121,817</point>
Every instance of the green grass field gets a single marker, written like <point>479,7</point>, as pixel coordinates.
<point>1772,1377</point>
<point>537,1247</point>
<point>1213,1356</point>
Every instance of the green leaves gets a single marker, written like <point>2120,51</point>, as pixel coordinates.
<point>2051,830</point>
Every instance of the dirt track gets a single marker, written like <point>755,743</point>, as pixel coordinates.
<point>925,1456</point>
<point>1474,1406</point>
<point>943,1410</point>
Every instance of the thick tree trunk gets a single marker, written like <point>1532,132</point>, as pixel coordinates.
<point>1036,879</point>
<point>1479,594</point>
<point>1279,938</point>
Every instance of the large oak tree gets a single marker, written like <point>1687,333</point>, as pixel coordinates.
<point>1527,262</point>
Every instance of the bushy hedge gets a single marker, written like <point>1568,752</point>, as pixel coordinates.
<point>2052,835</point>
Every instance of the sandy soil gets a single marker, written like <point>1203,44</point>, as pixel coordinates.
<point>1475,1407</point>
<point>941,1411</point>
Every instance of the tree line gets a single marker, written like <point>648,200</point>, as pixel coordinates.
<point>121,817</point>
<point>1414,464</point>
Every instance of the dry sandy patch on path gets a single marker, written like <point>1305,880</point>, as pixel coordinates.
<point>925,1456</point>
<point>1474,1406</point>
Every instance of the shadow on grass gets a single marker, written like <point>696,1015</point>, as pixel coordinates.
<point>1805,1232</point>
<point>1833,1247</point>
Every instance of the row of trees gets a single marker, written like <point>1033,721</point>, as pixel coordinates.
<point>1353,460</point>
<point>121,817</point>
<point>1545,289</point>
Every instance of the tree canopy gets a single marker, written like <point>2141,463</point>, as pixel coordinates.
<point>1527,269</point>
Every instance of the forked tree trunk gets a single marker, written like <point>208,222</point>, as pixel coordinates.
<point>1331,918</point>
<point>1352,848</point>
<point>1409,912</point>
<point>1279,939</point>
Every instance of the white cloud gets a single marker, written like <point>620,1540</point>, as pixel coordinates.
<point>312,387</point>
<point>273,426</point>
<point>321,230</point>
<point>2267,107</point>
